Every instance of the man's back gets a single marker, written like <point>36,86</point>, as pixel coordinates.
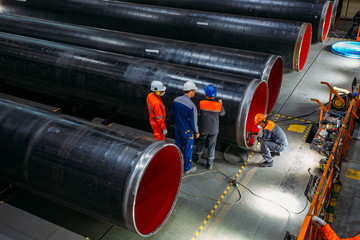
<point>184,114</point>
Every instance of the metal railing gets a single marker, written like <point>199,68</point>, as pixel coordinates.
<point>308,230</point>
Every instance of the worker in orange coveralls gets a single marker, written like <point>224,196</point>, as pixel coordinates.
<point>157,110</point>
<point>329,234</point>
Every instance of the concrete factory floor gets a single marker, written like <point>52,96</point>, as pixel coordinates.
<point>268,202</point>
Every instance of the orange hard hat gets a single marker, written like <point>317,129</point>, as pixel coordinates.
<point>259,118</point>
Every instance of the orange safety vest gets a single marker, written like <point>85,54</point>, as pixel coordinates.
<point>331,235</point>
<point>210,106</point>
<point>270,125</point>
<point>156,110</point>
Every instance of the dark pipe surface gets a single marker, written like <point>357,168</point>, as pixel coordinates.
<point>121,83</point>
<point>278,37</point>
<point>295,10</point>
<point>251,64</point>
<point>117,176</point>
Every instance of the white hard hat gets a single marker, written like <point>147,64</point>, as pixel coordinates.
<point>157,86</point>
<point>189,85</point>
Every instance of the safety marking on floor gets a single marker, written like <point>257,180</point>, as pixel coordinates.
<point>293,118</point>
<point>307,132</point>
<point>222,197</point>
<point>297,128</point>
<point>350,173</point>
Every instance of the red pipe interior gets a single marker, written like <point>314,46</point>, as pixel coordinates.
<point>327,21</point>
<point>305,46</point>
<point>274,83</point>
<point>158,190</point>
<point>257,105</point>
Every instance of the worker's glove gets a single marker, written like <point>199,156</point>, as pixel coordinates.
<point>320,222</point>
<point>164,131</point>
<point>259,139</point>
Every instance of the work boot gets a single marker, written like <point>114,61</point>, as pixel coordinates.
<point>266,164</point>
<point>273,154</point>
<point>193,169</point>
<point>195,158</point>
<point>209,166</point>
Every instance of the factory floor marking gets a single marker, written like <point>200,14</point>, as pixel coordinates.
<point>350,173</point>
<point>295,127</point>
<point>221,197</point>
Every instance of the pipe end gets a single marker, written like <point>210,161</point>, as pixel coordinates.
<point>274,72</point>
<point>256,102</point>
<point>302,46</point>
<point>158,190</point>
<point>326,17</point>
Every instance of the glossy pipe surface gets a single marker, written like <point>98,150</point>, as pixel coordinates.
<point>290,40</point>
<point>317,13</point>
<point>117,176</point>
<point>251,64</point>
<point>121,83</point>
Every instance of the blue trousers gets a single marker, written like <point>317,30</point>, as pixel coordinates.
<point>185,141</point>
<point>266,147</point>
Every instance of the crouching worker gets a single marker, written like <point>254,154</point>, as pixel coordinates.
<point>273,140</point>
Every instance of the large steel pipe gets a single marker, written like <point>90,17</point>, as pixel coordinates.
<point>317,13</point>
<point>251,64</point>
<point>291,40</point>
<point>117,176</point>
<point>121,83</point>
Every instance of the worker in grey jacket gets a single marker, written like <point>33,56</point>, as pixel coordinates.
<point>209,112</point>
<point>273,141</point>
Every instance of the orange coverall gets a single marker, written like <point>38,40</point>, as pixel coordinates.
<point>157,115</point>
<point>331,235</point>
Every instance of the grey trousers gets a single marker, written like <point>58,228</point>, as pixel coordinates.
<point>266,147</point>
<point>211,146</point>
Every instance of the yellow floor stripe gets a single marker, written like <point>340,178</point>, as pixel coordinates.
<point>237,175</point>
<point>294,118</point>
<point>218,202</point>
<point>350,173</point>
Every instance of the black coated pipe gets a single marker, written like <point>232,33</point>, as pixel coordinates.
<point>117,176</point>
<point>317,13</point>
<point>290,40</point>
<point>251,64</point>
<point>120,83</point>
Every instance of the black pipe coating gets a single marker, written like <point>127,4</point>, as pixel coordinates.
<point>290,40</point>
<point>317,13</point>
<point>251,64</point>
<point>121,83</point>
<point>117,176</point>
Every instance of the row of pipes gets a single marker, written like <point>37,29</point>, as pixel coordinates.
<point>92,53</point>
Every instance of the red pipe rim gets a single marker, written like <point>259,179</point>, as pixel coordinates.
<point>304,47</point>
<point>258,105</point>
<point>327,20</point>
<point>158,190</point>
<point>274,83</point>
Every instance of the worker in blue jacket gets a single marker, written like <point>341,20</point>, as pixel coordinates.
<point>184,114</point>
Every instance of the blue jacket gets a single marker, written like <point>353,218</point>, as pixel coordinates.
<point>184,114</point>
